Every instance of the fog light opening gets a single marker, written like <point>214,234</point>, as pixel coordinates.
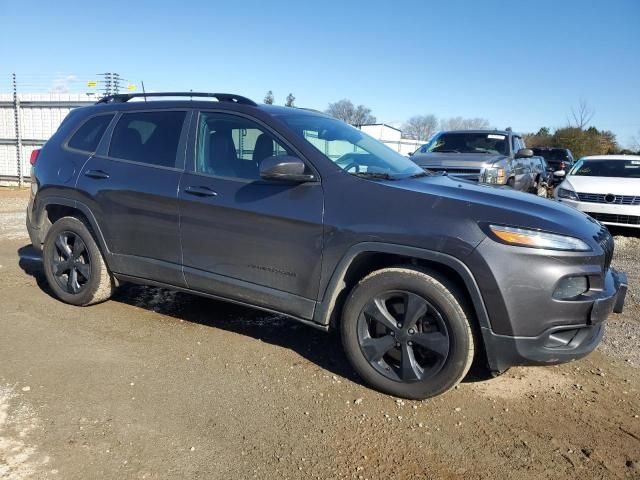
<point>571,287</point>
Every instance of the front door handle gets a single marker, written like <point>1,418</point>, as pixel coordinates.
<point>96,174</point>
<point>200,191</point>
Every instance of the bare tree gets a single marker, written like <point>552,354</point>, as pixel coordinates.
<point>268,98</point>
<point>460,123</point>
<point>420,127</point>
<point>581,115</point>
<point>289,101</point>
<point>347,112</point>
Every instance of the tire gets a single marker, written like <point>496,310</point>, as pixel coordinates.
<point>74,267</point>
<point>511,183</point>
<point>427,355</point>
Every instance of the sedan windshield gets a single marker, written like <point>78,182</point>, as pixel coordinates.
<point>607,168</point>
<point>350,149</point>
<point>467,142</point>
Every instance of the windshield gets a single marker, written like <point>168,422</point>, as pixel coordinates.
<point>350,149</point>
<point>607,168</point>
<point>468,142</point>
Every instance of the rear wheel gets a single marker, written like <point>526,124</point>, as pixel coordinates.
<point>73,264</point>
<point>406,333</point>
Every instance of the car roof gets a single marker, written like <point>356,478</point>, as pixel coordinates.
<point>611,157</point>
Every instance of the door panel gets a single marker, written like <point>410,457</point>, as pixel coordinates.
<point>263,238</point>
<point>135,197</point>
<point>264,233</point>
<point>137,211</point>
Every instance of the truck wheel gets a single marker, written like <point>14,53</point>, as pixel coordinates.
<point>511,182</point>
<point>73,264</point>
<point>407,332</point>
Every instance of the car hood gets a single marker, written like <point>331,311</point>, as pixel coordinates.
<point>470,160</point>
<point>500,205</point>
<point>603,185</point>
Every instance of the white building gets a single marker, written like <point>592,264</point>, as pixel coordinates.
<point>392,137</point>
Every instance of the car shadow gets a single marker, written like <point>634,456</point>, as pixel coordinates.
<point>321,348</point>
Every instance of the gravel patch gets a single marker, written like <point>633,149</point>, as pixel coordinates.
<point>623,331</point>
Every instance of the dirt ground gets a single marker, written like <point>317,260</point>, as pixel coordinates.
<point>155,384</point>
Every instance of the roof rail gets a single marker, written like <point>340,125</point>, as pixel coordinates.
<point>221,97</point>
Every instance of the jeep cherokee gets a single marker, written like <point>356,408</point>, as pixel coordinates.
<point>291,211</point>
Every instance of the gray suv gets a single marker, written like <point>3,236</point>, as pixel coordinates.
<point>486,156</point>
<point>294,212</point>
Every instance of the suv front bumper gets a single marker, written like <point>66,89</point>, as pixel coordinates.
<point>561,343</point>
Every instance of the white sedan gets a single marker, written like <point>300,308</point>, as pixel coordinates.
<point>606,187</point>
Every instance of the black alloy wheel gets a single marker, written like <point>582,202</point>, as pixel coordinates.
<point>71,264</point>
<point>403,336</point>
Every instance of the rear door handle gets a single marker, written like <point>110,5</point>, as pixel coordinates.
<point>96,174</point>
<point>200,191</point>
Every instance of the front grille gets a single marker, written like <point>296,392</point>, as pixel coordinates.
<point>605,240</point>
<point>456,171</point>
<point>614,199</point>
<point>612,218</point>
<point>471,174</point>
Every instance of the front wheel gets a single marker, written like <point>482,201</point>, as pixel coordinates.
<point>407,332</point>
<point>73,264</point>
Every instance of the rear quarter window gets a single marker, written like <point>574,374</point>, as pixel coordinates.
<point>88,136</point>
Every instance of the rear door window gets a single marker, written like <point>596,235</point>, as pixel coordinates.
<point>148,137</point>
<point>88,136</point>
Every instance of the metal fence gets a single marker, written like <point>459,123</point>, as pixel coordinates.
<point>26,122</point>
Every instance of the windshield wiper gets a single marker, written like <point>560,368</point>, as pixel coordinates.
<point>445,151</point>
<point>375,175</point>
<point>427,173</point>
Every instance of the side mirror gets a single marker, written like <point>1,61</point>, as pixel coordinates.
<point>285,168</point>
<point>524,153</point>
<point>410,154</point>
<point>559,173</point>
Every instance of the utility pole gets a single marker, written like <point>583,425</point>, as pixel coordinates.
<point>112,83</point>
<point>16,116</point>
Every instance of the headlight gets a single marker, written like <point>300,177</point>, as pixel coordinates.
<point>494,175</point>
<point>535,239</point>
<point>570,194</point>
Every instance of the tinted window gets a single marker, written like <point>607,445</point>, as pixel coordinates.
<point>463,142</point>
<point>230,146</point>
<point>88,136</point>
<point>148,137</point>
<point>554,155</point>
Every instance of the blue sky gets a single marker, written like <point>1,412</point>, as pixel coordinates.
<point>518,63</point>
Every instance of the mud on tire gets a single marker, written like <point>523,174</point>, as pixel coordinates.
<point>73,264</point>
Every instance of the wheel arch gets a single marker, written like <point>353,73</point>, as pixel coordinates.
<point>53,208</point>
<point>364,258</point>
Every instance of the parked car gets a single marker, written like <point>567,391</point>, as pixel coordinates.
<point>486,156</point>
<point>294,212</point>
<point>559,159</point>
<point>606,187</point>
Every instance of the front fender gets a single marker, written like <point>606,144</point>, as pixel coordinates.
<point>324,309</point>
